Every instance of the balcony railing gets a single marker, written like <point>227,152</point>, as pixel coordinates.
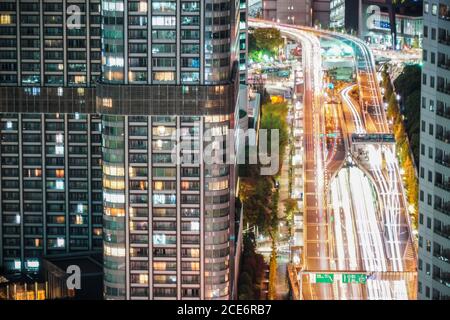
<point>444,64</point>
<point>444,255</point>
<point>445,161</point>
<point>444,137</point>
<point>444,186</point>
<point>445,113</point>
<point>443,278</point>
<point>443,232</point>
<point>444,40</point>
<point>444,208</point>
<point>443,89</point>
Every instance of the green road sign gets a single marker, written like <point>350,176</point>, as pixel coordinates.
<point>324,277</point>
<point>354,278</point>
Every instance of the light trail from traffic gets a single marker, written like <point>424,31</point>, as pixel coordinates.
<point>360,128</point>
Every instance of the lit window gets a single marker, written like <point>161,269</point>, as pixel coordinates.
<point>114,61</point>
<point>143,278</point>
<point>163,20</point>
<point>113,170</point>
<point>434,9</point>
<point>114,251</point>
<point>5,19</point>
<point>161,130</point>
<point>112,6</point>
<point>60,242</point>
<point>114,212</point>
<point>158,185</point>
<point>32,264</point>
<point>78,219</point>
<point>107,102</point>
<point>59,185</point>
<point>59,173</point>
<point>195,226</point>
<point>59,150</point>
<point>159,239</point>
<point>164,76</point>
<point>60,219</point>
<point>81,208</point>
<point>17,264</point>
<point>80,79</point>
<point>9,125</point>
<point>142,6</point>
<point>114,197</point>
<point>59,138</point>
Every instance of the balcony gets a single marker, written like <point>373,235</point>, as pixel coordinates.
<point>444,64</point>
<point>443,231</point>
<point>444,137</point>
<point>443,255</point>
<point>443,185</point>
<point>443,278</point>
<point>444,12</point>
<point>444,39</point>
<point>443,112</point>
<point>444,161</point>
<point>443,207</point>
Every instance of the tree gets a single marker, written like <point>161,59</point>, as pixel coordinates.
<point>245,279</point>
<point>290,207</point>
<point>268,39</point>
<point>246,292</point>
<point>409,80</point>
<point>392,109</point>
<point>272,294</point>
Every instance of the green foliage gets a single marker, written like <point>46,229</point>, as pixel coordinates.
<point>252,270</point>
<point>274,117</point>
<point>272,294</point>
<point>290,207</point>
<point>409,80</point>
<point>264,41</point>
<point>245,279</point>
<point>406,82</point>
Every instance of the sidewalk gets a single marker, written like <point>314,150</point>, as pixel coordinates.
<point>283,259</point>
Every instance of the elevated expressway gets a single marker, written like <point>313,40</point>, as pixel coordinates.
<point>355,210</point>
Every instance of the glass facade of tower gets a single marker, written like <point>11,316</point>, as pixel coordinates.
<point>51,178</point>
<point>51,188</point>
<point>50,43</point>
<point>107,92</point>
<point>167,213</point>
<point>168,42</point>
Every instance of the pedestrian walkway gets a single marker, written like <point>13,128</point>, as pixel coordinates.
<point>282,285</point>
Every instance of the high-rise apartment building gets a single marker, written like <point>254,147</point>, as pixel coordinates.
<point>288,11</point>
<point>170,83</point>
<point>50,43</point>
<point>243,40</point>
<point>321,13</point>
<point>434,194</point>
<point>118,152</point>
<point>51,178</point>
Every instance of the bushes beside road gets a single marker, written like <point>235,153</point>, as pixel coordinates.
<point>403,148</point>
<point>252,270</point>
<point>257,192</point>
